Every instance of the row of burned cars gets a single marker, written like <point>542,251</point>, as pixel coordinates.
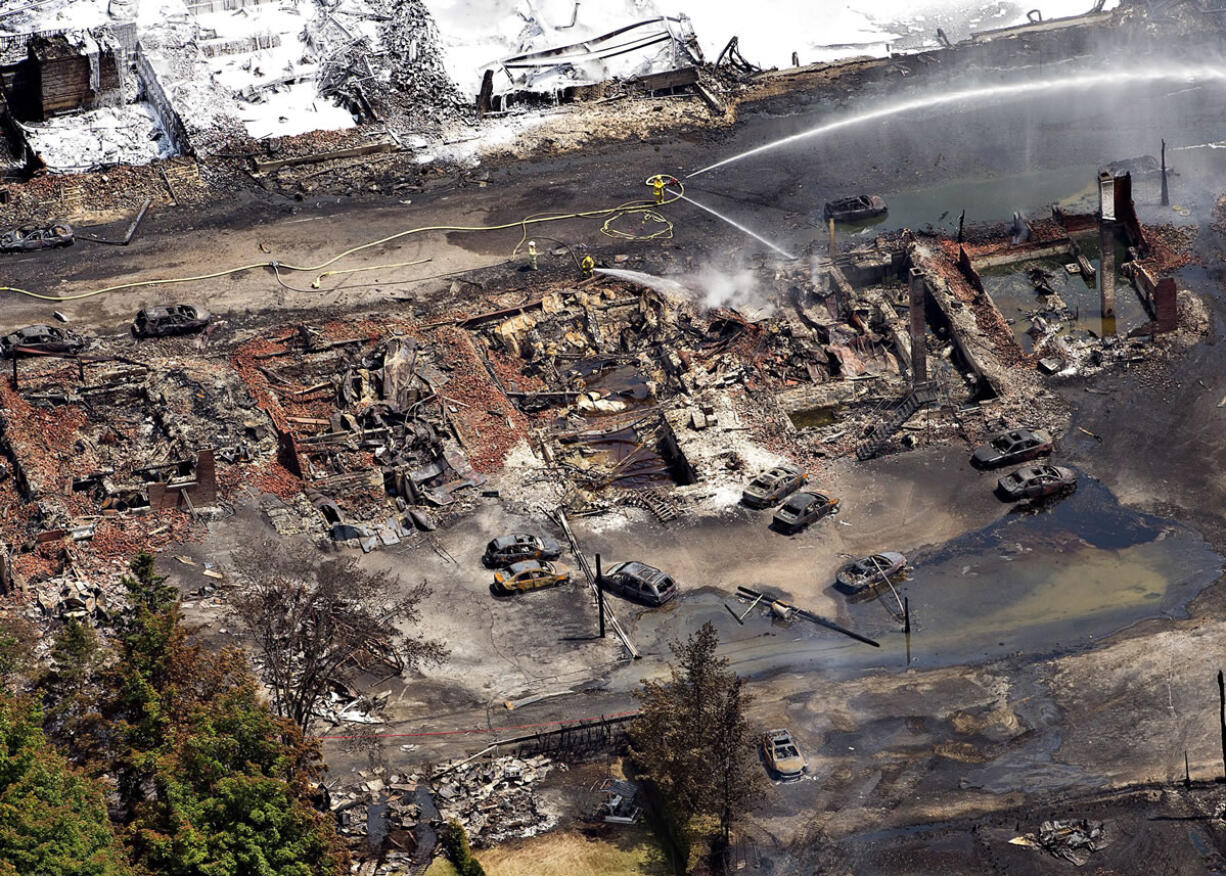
<point>524,561</point>
<point>801,507</point>
<point>798,506</point>
<point>152,322</point>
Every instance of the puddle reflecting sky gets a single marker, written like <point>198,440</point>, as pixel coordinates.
<point>1054,580</point>
<point>1045,582</point>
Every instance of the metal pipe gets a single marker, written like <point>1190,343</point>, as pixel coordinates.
<point>573,18</point>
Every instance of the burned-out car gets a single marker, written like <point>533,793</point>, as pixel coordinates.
<point>1035,482</point>
<point>803,508</point>
<point>508,549</point>
<point>175,319</point>
<point>867,571</point>
<point>530,575</point>
<point>41,339</point>
<point>1012,447</point>
<point>855,208</point>
<point>772,486</point>
<point>638,582</point>
<point>31,237</point>
<point>783,756</point>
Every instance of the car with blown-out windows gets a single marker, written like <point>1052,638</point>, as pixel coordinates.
<point>638,582</point>
<point>867,571</point>
<point>855,208</point>
<point>1035,482</point>
<point>1012,447</point>
<point>530,575</point>
<point>783,756</point>
<point>801,509</point>
<point>773,486</point>
<point>28,238</point>
<point>508,549</point>
<point>173,319</point>
<point>41,339</point>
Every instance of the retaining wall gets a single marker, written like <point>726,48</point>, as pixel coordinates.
<point>151,88</point>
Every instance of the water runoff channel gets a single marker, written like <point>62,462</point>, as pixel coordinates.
<point>1042,581</point>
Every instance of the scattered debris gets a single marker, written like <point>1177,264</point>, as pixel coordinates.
<point>494,799</point>
<point>1072,840</point>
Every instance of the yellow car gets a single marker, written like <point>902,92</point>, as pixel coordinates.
<point>530,575</point>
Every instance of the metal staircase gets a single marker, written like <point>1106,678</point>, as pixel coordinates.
<point>665,508</point>
<point>921,394</point>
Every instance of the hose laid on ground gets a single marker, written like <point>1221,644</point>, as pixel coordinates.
<point>611,213</point>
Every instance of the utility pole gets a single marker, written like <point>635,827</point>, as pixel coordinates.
<point>600,594</point>
<point>1166,196</point>
<point>906,614</point>
<point>1106,246</point>
<point>916,297</point>
<point>1221,687</point>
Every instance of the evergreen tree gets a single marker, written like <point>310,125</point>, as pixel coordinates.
<point>53,821</point>
<point>691,736</point>
<point>71,688</point>
<point>208,781</point>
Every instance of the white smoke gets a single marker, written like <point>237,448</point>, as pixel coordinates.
<point>736,288</point>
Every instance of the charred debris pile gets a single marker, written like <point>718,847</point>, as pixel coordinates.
<point>624,389</point>
<point>365,428</point>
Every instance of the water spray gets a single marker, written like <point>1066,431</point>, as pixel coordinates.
<point>973,94</point>
<point>737,225</point>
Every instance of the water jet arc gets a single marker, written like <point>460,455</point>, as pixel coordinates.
<point>972,94</point>
<point>737,225</point>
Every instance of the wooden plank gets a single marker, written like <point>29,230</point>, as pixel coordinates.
<point>316,157</point>
<point>669,79</point>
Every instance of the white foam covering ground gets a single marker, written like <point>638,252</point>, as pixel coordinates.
<point>256,68</point>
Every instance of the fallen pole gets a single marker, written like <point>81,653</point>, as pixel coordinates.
<point>610,617</point>
<point>127,238</point>
<point>749,593</point>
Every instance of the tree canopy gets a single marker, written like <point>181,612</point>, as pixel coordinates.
<point>53,819</point>
<point>208,781</point>
<point>319,623</point>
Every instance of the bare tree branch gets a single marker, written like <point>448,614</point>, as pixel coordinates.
<point>318,623</point>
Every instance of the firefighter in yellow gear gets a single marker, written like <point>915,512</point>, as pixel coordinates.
<point>532,254</point>
<point>587,267</point>
<point>657,189</point>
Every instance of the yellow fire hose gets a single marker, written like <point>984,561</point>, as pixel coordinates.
<point>646,208</point>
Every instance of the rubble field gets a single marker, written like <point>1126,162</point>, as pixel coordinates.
<point>1024,693</point>
<point>623,397</point>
